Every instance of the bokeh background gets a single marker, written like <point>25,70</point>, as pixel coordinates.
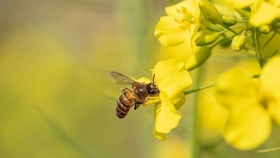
<point>57,100</point>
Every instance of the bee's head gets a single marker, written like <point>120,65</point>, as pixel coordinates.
<point>153,90</point>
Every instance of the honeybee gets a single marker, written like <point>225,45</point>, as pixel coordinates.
<point>137,96</point>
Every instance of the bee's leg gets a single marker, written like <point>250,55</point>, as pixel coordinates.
<point>136,106</point>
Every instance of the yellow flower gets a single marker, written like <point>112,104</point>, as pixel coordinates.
<point>180,25</point>
<point>252,104</point>
<point>172,78</point>
<point>263,12</point>
<point>270,81</point>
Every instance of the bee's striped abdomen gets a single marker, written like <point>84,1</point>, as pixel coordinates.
<point>125,102</point>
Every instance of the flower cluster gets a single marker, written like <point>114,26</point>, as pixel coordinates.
<point>247,28</point>
<point>252,102</point>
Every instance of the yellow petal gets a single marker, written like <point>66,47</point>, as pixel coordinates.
<point>248,127</point>
<point>169,32</point>
<point>172,77</point>
<point>190,5</point>
<point>236,89</point>
<point>270,81</point>
<point>242,3</point>
<point>265,14</point>
<point>190,35</point>
<point>167,117</point>
<point>249,123</point>
<point>276,2</point>
<point>178,100</point>
<point>158,135</point>
<point>211,116</point>
<point>180,26</point>
<point>172,10</point>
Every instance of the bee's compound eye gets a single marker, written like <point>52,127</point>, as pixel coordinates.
<point>154,91</point>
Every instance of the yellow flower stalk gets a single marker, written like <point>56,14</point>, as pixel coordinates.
<point>180,26</point>
<point>252,103</point>
<point>172,78</point>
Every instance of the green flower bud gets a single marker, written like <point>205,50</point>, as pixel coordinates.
<point>216,28</point>
<point>207,39</point>
<point>225,42</point>
<point>210,12</point>
<point>228,19</point>
<point>198,58</point>
<point>238,42</point>
<point>265,29</point>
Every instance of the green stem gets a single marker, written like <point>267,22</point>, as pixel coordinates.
<point>195,147</point>
<point>225,26</point>
<point>258,49</point>
<point>266,43</point>
<point>268,150</point>
<point>198,89</point>
<point>193,129</point>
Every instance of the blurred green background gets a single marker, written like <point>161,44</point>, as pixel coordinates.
<point>56,98</point>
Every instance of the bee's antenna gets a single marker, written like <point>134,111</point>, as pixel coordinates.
<point>154,78</point>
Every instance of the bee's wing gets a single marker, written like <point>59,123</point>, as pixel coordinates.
<point>120,78</point>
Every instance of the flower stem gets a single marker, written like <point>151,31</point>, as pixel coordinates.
<point>258,49</point>
<point>193,125</point>
<point>231,30</point>
<point>198,89</point>
<point>194,132</point>
<point>269,39</point>
<point>268,150</point>
<point>195,147</point>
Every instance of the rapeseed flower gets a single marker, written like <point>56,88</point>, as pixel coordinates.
<point>252,104</point>
<point>180,25</point>
<point>171,78</point>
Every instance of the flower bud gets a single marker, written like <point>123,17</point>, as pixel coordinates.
<point>198,58</point>
<point>225,42</point>
<point>210,12</point>
<point>265,29</point>
<point>206,39</point>
<point>228,19</point>
<point>238,42</point>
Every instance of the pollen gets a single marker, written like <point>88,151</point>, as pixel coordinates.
<point>186,15</point>
<point>152,100</point>
<point>183,22</point>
